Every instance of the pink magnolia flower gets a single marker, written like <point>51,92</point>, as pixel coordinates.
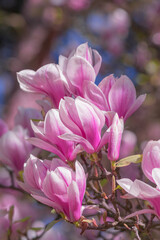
<point>47,136</point>
<point>23,117</point>
<point>139,189</point>
<point>55,184</point>
<point>151,168</point>
<point>85,122</point>
<point>14,148</point>
<point>76,126</point>
<point>114,94</point>
<point>83,64</point>
<point>48,80</point>
<point>121,95</point>
<point>151,161</point>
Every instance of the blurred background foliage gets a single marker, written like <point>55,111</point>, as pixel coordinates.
<point>125,32</point>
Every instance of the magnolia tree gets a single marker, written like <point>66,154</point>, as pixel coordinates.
<point>68,155</point>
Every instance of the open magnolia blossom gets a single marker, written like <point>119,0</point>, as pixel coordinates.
<point>55,184</point>
<point>114,94</point>
<point>77,126</point>
<point>82,65</point>
<point>82,124</point>
<point>139,189</point>
<point>47,134</point>
<point>45,80</point>
<point>75,76</point>
<point>151,168</point>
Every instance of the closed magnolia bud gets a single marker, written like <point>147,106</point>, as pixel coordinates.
<point>55,184</point>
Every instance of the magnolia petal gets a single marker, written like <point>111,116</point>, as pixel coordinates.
<point>151,158</point>
<point>47,202</point>
<point>46,146</point>
<point>94,94</point>
<point>97,60</point>
<point>75,138</point>
<point>92,121</point>
<point>74,202</point>
<point>156,176</point>
<point>25,79</point>
<point>68,113</point>
<point>80,179</point>
<point>125,183</point>
<point>104,140</point>
<point>38,129</point>
<point>53,184</point>
<point>62,62</point>
<point>79,70</point>
<point>85,52</point>
<point>135,106</point>
<point>122,95</point>
<point>105,85</point>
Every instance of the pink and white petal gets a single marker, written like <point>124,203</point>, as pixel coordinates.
<point>74,202</point>
<point>53,126</point>
<point>46,146</point>
<point>106,84</point>
<point>139,189</point>
<point>92,122</point>
<point>122,96</point>
<point>38,129</point>
<point>56,162</point>
<point>63,63</point>
<point>77,149</point>
<point>25,186</point>
<point>25,79</point>
<point>28,174</point>
<point>85,52</point>
<point>156,176</point>
<point>104,139</point>
<point>53,185</point>
<point>151,158</point>
<point>109,117</point>
<point>138,102</point>
<point>65,174</point>
<point>94,94</point>
<point>78,139</point>
<point>67,114</point>
<point>47,202</point>
<point>40,171</point>
<point>79,70</point>
<point>144,191</point>
<point>80,179</point>
<point>97,60</point>
<point>125,183</point>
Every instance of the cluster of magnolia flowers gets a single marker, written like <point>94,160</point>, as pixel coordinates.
<point>77,117</point>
